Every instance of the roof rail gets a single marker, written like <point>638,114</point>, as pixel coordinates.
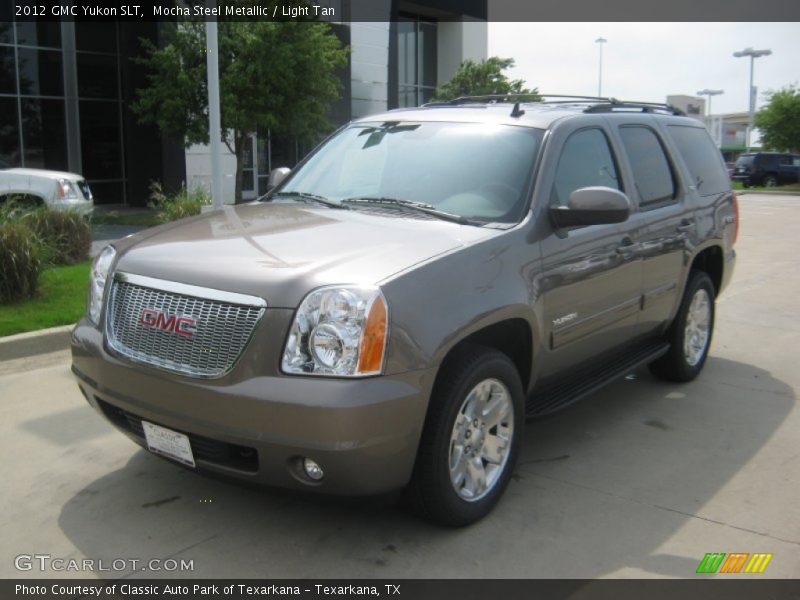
<point>486,98</point>
<point>595,104</point>
<point>645,107</point>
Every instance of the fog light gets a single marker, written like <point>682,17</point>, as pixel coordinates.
<point>313,470</point>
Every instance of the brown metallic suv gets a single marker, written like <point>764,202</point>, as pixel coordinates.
<point>426,280</point>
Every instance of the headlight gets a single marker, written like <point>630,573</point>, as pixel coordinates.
<point>97,285</point>
<point>339,331</point>
<point>65,189</point>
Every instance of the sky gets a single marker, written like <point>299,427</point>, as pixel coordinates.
<point>648,61</point>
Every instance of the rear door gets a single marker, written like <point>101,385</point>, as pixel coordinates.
<point>662,223</point>
<point>788,169</point>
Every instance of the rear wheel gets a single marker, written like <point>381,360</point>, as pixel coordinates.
<point>471,438</point>
<point>690,333</point>
<point>770,181</point>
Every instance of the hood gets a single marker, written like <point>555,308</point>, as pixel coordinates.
<point>280,252</point>
<point>45,173</point>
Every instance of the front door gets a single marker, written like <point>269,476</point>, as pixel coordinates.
<point>591,279</point>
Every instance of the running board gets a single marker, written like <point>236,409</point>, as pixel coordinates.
<point>580,384</point>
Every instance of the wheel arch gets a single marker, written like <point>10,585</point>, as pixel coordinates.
<point>513,334</point>
<point>711,261</point>
<point>24,197</point>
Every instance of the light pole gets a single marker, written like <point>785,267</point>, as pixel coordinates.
<point>753,54</point>
<point>600,41</point>
<point>214,124</point>
<point>709,93</point>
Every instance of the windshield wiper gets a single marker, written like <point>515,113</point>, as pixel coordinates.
<point>421,207</point>
<point>308,196</point>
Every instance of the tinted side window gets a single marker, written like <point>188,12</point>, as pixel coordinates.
<point>702,159</point>
<point>651,170</point>
<point>786,160</point>
<point>586,160</point>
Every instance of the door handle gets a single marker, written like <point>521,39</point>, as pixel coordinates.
<point>627,246</point>
<point>686,225</point>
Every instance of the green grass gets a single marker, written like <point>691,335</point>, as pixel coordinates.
<point>132,219</point>
<point>61,301</point>
<point>792,187</point>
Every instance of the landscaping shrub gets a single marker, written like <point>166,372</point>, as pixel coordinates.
<point>21,258</point>
<point>185,203</point>
<point>67,234</point>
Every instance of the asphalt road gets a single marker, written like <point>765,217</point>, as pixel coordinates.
<point>102,235</point>
<point>641,480</point>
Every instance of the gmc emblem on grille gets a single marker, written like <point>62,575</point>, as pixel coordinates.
<point>155,319</point>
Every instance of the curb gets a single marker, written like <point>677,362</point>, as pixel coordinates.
<point>767,193</point>
<point>32,343</point>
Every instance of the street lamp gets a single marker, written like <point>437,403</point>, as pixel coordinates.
<point>600,41</point>
<point>710,93</point>
<point>753,54</point>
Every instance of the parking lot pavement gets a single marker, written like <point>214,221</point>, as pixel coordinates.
<point>641,480</point>
<point>102,235</point>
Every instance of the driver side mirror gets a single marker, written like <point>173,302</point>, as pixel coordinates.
<point>276,176</point>
<point>596,205</point>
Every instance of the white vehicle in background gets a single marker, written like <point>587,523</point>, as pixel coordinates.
<point>55,189</point>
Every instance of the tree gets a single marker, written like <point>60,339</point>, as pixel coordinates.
<point>276,75</point>
<point>779,120</point>
<point>483,78</point>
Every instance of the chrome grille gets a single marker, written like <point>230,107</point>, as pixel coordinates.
<point>223,325</point>
<point>87,192</point>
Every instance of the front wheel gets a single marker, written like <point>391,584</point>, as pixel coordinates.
<point>690,333</point>
<point>471,438</point>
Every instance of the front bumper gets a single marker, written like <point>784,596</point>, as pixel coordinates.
<point>83,207</point>
<point>363,432</point>
<point>747,179</point>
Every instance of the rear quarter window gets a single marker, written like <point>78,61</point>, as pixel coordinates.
<point>702,159</point>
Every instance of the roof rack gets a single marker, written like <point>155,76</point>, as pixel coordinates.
<point>595,104</point>
<point>645,107</point>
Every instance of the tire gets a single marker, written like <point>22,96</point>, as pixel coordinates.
<point>770,181</point>
<point>469,381</point>
<point>690,333</point>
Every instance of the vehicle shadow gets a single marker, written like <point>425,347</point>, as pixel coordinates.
<point>599,488</point>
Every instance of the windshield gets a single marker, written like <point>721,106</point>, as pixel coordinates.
<point>474,170</point>
<point>745,160</point>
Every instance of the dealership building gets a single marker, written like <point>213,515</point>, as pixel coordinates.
<point>66,89</point>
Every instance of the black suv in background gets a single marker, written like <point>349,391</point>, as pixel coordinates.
<point>769,169</point>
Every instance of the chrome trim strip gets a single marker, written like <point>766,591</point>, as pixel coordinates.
<point>190,290</point>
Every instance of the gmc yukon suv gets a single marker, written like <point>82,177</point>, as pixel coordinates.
<point>392,312</point>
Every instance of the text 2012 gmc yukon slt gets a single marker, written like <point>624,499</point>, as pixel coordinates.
<point>427,279</point>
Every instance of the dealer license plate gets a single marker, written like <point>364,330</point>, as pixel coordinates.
<point>168,443</point>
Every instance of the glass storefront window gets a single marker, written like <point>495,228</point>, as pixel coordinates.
<point>96,37</point>
<point>9,131</point>
<point>44,33</point>
<point>100,140</point>
<point>40,72</point>
<point>97,76</point>
<point>44,133</point>
<point>416,61</point>
<point>6,35</point>
<point>8,75</point>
